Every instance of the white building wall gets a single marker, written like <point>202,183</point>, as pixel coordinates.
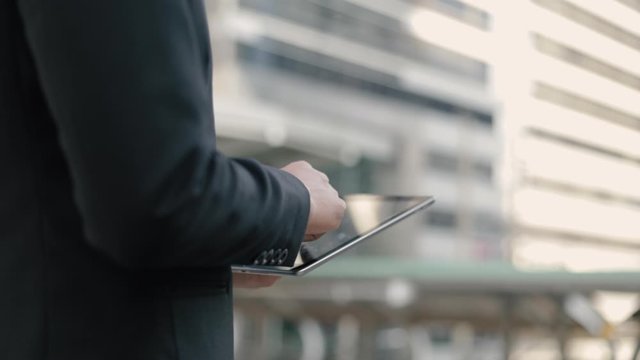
<point>570,175</point>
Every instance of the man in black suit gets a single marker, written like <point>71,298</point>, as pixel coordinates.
<point>118,217</point>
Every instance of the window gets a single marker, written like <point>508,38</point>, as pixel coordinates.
<point>580,59</point>
<point>633,4</point>
<point>275,54</point>
<point>483,171</point>
<point>346,20</point>
<point>592,21</point>
<point>585,105</point>
<point>488,224</point>
<point>447,163</point>
<point>442,218</point>
<point>457,10</point>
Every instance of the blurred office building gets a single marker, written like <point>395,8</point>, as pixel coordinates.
<point>349,86</point>
<point>522,117</point>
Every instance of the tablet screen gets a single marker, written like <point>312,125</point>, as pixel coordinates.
<point>364,213</point>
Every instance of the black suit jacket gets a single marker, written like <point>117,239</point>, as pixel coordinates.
<point>118,217</point>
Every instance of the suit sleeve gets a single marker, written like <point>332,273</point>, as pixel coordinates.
<point>128,85</point>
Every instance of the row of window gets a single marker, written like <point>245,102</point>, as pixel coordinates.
<point>482,223</point>
<point>346,20</point>
<point>580,191</point>
<point>458,10</point>
<point>563,236</point>
<point>274,54</point>
<point>586,62</point>
<point>584,105</point>
<point>592,21</point>
<point>633,4</point>
<point>557,138</point>
<point>451,164</point>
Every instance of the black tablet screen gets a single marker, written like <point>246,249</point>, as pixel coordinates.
<point>364,213</point>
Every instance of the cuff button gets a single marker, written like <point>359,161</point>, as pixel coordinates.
<point>261,259</point>
<point>283,256</point>
<point>268,256</point>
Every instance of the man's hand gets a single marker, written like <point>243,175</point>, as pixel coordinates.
<point>325,214</point>
<point>252,281</point>
<point>327,209</point>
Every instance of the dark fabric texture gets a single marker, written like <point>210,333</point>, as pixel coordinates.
<point>118,217</point>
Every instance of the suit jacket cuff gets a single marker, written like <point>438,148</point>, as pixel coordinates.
<point>301,204</point>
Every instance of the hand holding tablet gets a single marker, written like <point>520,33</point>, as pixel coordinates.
<point>365,216</point>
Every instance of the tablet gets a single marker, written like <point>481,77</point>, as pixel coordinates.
<point>366,215</point>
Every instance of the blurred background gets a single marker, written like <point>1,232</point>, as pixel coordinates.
<point>521,117</point>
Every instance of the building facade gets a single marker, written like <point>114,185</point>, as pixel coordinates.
<point>567,76</point>
<point>350,86</point>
